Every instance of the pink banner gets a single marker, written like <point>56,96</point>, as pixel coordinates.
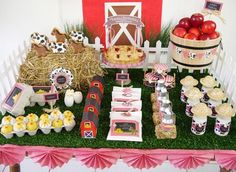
<point>187,159</point>
<point>97,158</point>
<point>226,159</point>
<point>143,158</point>
<point>104,158</point>
<point>49,156</point>
<point>11,154</point>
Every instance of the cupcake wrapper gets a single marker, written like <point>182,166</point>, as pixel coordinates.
<point>57,130</point>
<point>32,133</point>
<point>46,130</point>
<point>20,133</point>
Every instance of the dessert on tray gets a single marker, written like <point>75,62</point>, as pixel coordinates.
<point>124,54</point>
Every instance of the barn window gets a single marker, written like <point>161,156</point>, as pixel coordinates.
<point>93,96</point>
<point>96,84</point>
<point>87,125</point>
<point>91,109</point>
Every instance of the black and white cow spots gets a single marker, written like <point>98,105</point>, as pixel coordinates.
<point>57,47</point>
<point>77,36</point>
<point>38,39</point>
<point>207,54</point>
<point>192,55</point>
<point>178,50</point>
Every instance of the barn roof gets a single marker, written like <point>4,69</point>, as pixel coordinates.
<point>90,116</point>
<point>98,78</point>
<point>95,90</point>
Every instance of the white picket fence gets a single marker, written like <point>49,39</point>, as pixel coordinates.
<point>223,68</point>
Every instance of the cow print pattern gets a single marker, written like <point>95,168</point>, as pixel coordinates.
<point>77,36</point>
<point>192,55</point>
<point>38,39</point>
<point>57,47</point>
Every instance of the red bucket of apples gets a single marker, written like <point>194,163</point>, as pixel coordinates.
<point>194,42</point>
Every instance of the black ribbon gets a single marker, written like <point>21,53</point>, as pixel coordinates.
<point>189,65</point>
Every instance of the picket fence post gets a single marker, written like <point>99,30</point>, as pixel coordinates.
<point>97,45</point>
<point>146,51</point>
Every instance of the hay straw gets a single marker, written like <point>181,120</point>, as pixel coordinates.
<point>36,70</point>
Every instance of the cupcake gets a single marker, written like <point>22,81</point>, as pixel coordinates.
<point>56,114</point>
<point>189,81</point>
<point>57,124</point>
<point>45,126</point>
<point>6,131</point>
<point>216,94</point>
<point>225,111</point>
<point>193,94</point>
<point>208,82</point>
<point>19,128</point>
<point>6,120</point>
<point>44,116</point>
<point>32,128</point>
<point>20,119</point>
<point>69,123</point>
<point>68,114</point>
<point>32,117</point>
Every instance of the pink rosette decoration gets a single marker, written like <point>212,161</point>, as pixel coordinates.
<point>189,159</point>
<point>143,158</point>
<point>51,157</point>
<point>226,159</point>
<point>11,154</point>
<point>97,158</point>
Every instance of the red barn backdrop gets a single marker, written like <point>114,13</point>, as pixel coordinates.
<point>94,15</point>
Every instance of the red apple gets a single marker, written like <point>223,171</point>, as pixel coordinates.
<point>208,27</point>
<point>185,23</point>
<point>190,36</point>
<point>214,35</point>
<point>196,19</point>
<point>195,31</point>
<point>204,37</point>
<point>180,32</point>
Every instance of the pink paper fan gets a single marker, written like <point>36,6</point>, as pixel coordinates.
<point>143,158</point>
<point>51,157</point>
<point>226,160</point>
<point>188,161</point>
<point>97,158</point>
<point>11,154</point>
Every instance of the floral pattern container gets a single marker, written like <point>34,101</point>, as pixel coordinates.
<point>223,119</point>
<point>193,98</point>
<point>199,120</point>
<point>187,83</point>
<point>216,96</point>
<point>208,83</point>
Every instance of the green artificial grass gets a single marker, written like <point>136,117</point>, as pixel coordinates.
<point>185,139</point>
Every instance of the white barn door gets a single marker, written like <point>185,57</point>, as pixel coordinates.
<point>123,30</point>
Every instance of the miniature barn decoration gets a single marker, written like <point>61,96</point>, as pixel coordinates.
<point>89,123</point>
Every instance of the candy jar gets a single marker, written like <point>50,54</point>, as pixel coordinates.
<point>193,97</point>
<point>199,120</point>
<point>208,83</point>
<point>223,119</point>
<point>216,96</point>
<point>187,83</point>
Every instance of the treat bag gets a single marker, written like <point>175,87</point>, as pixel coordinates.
<point>198,125</point>
<point>190,103</point>
<point>222,126</point>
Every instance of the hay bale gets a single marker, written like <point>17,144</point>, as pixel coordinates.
<point>84,66</point>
